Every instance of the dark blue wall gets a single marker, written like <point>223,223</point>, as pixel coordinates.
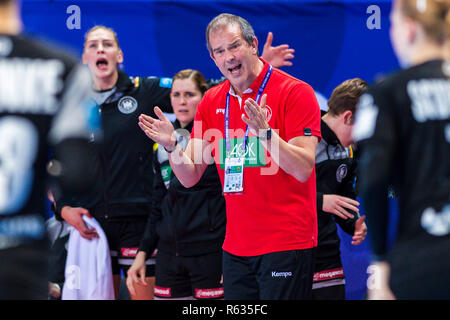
<point>331,39</point>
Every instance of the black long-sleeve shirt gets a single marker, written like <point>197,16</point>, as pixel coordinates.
<point>335,174</point>
<point>123,156</point>
<point>403,130</point>
<point>42,99</point>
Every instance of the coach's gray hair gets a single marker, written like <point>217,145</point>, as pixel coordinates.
<point>225,19</point>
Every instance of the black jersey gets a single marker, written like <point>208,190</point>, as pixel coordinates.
<point>123,157</point>
<point>403,131</point>
<point>42,95</point>
<point>335,174</point>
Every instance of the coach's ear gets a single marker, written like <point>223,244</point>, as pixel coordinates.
<point>211,54</point>
<point>254,46</point>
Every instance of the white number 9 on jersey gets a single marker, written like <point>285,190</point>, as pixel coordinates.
<point>18,147</point>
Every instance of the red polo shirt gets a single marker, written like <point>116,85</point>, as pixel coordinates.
<point>275,212</point>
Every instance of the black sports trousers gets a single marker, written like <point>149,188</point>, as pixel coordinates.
<point>284,275</point>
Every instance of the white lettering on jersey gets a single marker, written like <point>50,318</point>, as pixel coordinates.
<point>18,149</point>
<point>30,85</point>
<point>436,223</point>
<point>366,118</point>
<point>430,99</point>
<point>79,115</point>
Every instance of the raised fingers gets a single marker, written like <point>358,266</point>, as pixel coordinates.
<point>146,120</point>
<point>349,204</point>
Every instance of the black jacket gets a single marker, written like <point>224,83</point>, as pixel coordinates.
<point>408,146</point>
<point>335,174</point>
<point>184,221</point>
<point>42,89</point>
<point>123,156</point>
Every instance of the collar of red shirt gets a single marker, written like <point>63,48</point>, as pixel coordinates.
<point>254,87</point>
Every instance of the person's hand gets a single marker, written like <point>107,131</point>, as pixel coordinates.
<point>136,273</point>
<point>257,115</point>
<point>74,217</point>
<point>277,56</point>
<point>360,231</point>
<point>159,130</point>
<point>335,204</point>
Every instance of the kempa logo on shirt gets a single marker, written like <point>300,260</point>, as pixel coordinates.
<point>127,105</point>
<point>276,274</point>
<point>220,110</point>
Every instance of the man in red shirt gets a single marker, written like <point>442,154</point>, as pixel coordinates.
<point>262,127</point>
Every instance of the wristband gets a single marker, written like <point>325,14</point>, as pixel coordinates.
<point>176,142</point>
<point>267,135</point>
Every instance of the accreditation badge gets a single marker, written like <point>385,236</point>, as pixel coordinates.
<point>234,175</point>
<point>236,158</point>
<point>253,155</point>
<point>166,173</point>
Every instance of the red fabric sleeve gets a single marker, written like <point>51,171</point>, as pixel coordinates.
<point>302,115</point>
